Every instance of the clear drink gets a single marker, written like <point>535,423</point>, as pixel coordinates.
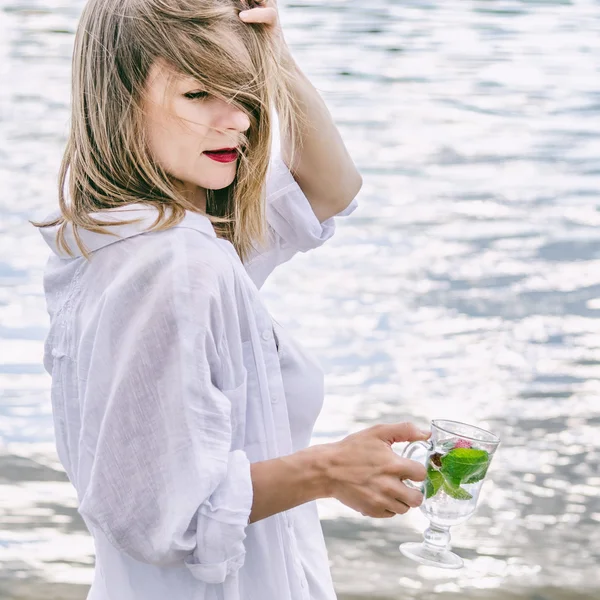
<point>443,507</point>
<point>457,460</point>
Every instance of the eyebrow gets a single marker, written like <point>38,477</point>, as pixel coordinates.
<point>187,79</point>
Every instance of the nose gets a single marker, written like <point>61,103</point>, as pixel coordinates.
<point>231,117</point>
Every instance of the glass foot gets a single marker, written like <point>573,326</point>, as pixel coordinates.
<point>443,559</point>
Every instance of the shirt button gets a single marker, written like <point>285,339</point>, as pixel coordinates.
<point>266,334</point>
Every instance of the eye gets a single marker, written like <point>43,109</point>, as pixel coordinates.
<point>196,95</point>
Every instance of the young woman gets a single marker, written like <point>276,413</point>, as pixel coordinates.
<point>182,425</point>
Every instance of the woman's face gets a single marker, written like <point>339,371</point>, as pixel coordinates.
<point>183,124</point>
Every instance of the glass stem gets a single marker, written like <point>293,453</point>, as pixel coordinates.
<point>436,538</point>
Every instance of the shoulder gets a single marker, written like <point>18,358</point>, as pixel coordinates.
<point>179,248</point>
<point>171,282</point>
<point>178,267</point>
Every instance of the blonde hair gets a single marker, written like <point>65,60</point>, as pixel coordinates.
<point>107,162</point>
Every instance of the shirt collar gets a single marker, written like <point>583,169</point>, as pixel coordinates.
<point>146,214</point>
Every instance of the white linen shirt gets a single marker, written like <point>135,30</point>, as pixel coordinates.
<point>166,385</point>
<point>304,384</point>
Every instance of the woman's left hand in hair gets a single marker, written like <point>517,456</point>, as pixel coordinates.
<point>265,12</point>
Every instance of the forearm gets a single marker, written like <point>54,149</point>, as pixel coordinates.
<point>288,481</point>
<point>321,164</point>
<point>322,167</point>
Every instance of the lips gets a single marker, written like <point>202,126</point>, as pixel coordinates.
<point>223,155</point>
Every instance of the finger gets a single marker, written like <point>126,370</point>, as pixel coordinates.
<point>402,432</point>
<point>399,507</point>
<point>406,468</point>
<point>261,14</point>
<point>394,506</point>
<point>402,493</point>
<point>412,498</point>
<point>384,508</point>
<point>380,514</point>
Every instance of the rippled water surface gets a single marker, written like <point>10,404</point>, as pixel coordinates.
<point>466,286</point>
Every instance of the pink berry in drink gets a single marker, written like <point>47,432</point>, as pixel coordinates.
<point>462,444</point>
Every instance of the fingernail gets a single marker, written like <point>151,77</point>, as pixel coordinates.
<point>425,432</point>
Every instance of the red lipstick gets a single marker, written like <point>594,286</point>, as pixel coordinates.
<point>224,155</point>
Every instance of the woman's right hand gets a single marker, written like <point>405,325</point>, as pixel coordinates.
<point>365,473</point>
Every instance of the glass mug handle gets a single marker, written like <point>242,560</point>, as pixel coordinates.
<point>407,453</point>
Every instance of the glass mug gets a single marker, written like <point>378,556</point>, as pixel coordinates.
<point>457,460</point>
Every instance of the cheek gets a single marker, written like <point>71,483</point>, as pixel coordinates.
<point>177,139</point>
<point>159,139</point>
<point>175,143</point>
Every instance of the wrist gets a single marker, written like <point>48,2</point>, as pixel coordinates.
<point>320,459</point>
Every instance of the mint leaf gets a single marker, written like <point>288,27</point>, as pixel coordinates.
<point>433,482</point>
<point>478,475</point>
<point>457,467</point>
<point>456,492</point>
<point>464,465</point>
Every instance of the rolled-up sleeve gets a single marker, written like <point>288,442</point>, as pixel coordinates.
<point>163,482</point>
<point>223,518</point>
<point>292,224</point>
<point>290,214</point>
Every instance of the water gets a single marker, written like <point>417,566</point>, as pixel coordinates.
<point>467,285</point>
<point>448,501</point>
<point>447,507</point>
<point>445,511</point>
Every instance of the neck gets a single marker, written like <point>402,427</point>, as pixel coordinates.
<point>193,193</point>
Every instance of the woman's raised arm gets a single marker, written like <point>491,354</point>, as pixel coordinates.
<point>322,165</point>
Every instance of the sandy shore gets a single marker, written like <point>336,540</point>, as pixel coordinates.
<point>532,594</point>
<point>40,590</point>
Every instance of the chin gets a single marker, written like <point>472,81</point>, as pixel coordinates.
<point>217,183</point>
